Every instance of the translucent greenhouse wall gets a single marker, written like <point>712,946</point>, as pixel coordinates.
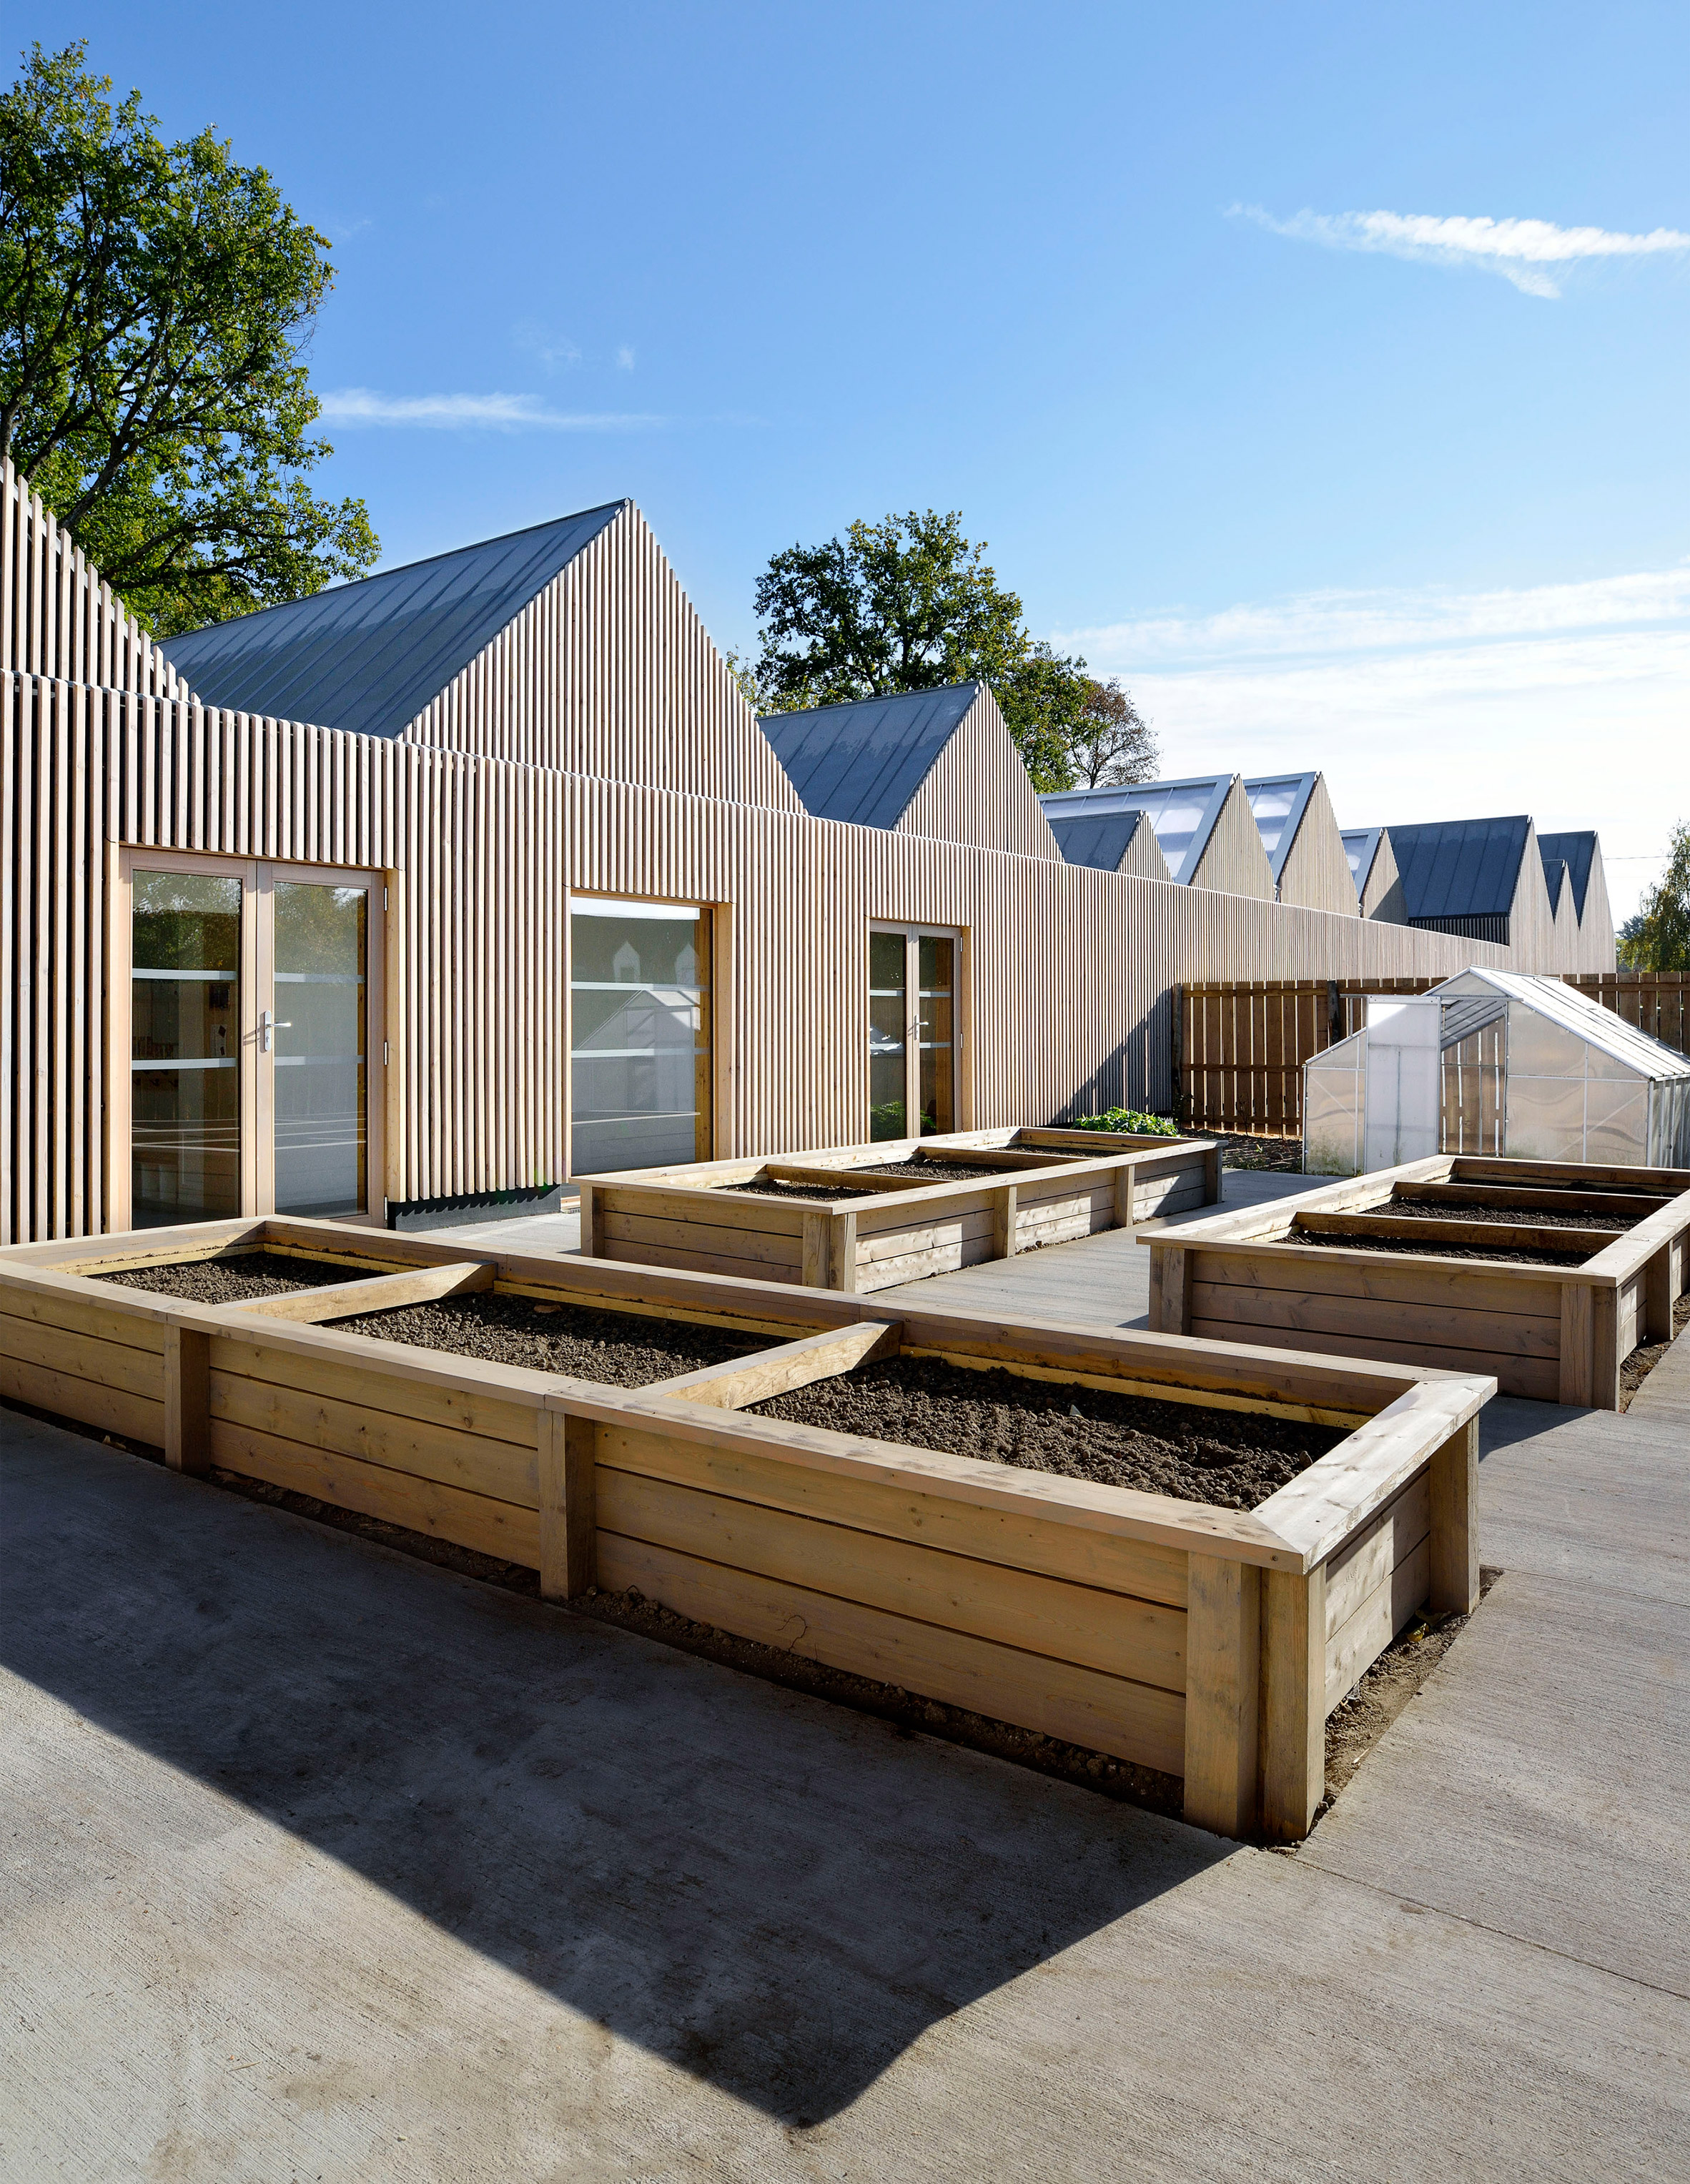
<point>1335,1108</point>
<point>1404,1115</point>
<point>1568,1100</point>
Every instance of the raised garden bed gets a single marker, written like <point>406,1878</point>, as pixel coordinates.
<point>1548,1275</point>
<point>865,1218</point>
<point>1171,1631</point>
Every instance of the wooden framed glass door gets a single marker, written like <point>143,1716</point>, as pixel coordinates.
<point>246,1019</point>
<point>915,1036</point>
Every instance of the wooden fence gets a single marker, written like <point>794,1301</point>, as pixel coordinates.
<point>1241,1044</point>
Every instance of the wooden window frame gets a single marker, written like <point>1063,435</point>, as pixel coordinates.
<point>914,931</point>
<point>258,876</point>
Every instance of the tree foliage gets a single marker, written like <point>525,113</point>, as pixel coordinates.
<point>910,604</point>
<point>1114,744</point>
<point>1658,939</point>
<point>154,302</point>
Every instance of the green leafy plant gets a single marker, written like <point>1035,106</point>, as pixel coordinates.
<point>1658,939</point>
<point>155,302</point>
<point>1126,1120</point>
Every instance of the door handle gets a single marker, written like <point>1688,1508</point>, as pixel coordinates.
<point>268,1025</point>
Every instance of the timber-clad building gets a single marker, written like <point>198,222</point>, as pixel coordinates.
<point>410,900</point>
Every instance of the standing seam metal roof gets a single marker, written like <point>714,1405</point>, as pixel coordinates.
<point>1577,852</point>
<point>1099,839</point>
<point>369,656</point>
<point>863,762</point>
<point>1460,867</point>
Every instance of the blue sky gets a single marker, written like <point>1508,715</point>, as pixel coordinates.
<point>1217,323</point>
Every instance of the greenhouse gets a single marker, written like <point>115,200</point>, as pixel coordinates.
<point>1495,1062</point>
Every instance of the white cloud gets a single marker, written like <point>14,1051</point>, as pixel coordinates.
<point>625,359</point>
<point>1518,249</point>
<point>510,413</point>
<point>1568,701</point>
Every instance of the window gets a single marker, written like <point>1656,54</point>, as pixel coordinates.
<point>913,1038</point>
<point>640,1000</point>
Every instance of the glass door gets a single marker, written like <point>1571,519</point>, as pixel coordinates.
<point>251,1005</point>
<point>185,1015</point>
<point>914,1038</point>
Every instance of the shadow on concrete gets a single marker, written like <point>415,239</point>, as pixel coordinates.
<point>1508,1420</point>
<point>775,1894</point>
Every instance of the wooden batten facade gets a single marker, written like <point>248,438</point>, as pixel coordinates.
<point>1233,859</point>
<point>1381,884</point>
<point>597,747</point>
<point>1316,871</point>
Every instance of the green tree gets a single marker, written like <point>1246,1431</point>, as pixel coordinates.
<point>909,604</point>
<point>1113,744</point>
<point>1658,939</point>
<point>154,302</point>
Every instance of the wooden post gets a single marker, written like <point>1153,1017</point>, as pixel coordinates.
<point>1213,1186</point>
<point>188,1401</point>
<point>1222,1665</point>
<point>569,1554</point>
<point>1658,1287</point>
<point>1125,1176</point>
<point>842,1254</point>
<point>592,1226</point>
<point>1003,1223</point>
<point>1177,998</point>
<point>1573,1384</point>
<point>814,1272</point>
<point>1455,1523</point>
<point>1293,1734</point>
<point>1170,1288</point>
<point>1604,1348</point>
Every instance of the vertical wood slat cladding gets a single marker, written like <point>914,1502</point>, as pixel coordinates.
<point>641,772</point>
<point>1233,859</point>
<point>1316,872</point>
<point>977,791</point>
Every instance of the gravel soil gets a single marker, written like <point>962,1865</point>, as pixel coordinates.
<point>1517,1216</point>
<point>623,1348</point>
<point>929,1171</point>
<point>1233,1459</point>
<point>811,1194</point>
<point>1325,1239</point>
<point>243,1274</point>
<point>1636,1369</point>
<point>1278,1156</point>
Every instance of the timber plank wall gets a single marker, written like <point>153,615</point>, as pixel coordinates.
<point>1243,1043</point>
<point>631,766</point>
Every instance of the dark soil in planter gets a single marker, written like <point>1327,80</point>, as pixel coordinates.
<point>946,1171</point>
<point>1518,1256</point>
<point>241,1275</point>
<point>1513,1217</point>
<point>808,1193</point>
<point>1233,1459</point>
<point>623,1348</point>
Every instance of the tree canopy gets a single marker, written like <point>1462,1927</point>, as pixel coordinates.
<point>910,604</point>
<point>155,300</point>
<point>1658,939</point>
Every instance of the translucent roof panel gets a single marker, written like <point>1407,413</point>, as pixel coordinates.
<point>1182,814</point>
<point>1277,803</point>
<point>1576,1012</point>
<point>1361,847</point>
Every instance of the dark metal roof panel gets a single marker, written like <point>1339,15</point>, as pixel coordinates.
<point>1460,867</point>
<point>1099,839</point>
<point>863,762</point>
<point>369,656</point>
<point>1577,852</point>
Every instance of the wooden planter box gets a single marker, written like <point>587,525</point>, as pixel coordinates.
<point>1559,1333</point>
<point>1057,1185</point>
<point>1205,1642</point>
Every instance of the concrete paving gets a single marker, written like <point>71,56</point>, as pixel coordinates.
<point>1664,1396</point>
<point>325,1863</point>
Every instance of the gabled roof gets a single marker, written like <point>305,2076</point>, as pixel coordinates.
<point>1460,867</point>
<point>1554,874</point>
<point>1181,813</point>
<point>863,762</point>
<point>1577,852</point>
<point>1576,1012</point>
<point>1361,846</point>
<point>1277,803</point>
<point>1097,839</point>
<point>369,656</point>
